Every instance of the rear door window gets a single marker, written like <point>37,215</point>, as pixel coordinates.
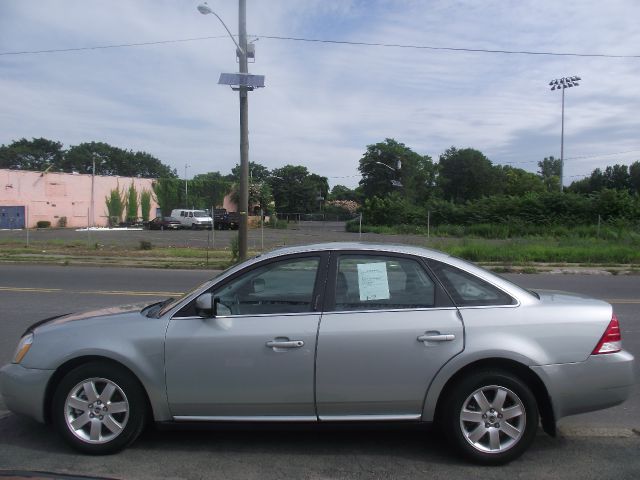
<point>372,282</point>
<point>466,289</point>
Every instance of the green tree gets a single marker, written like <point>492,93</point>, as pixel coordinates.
<point>167,194</point>
<point>36,154</point>
<point>111,160</point>
<point>550,169</point>
<point>466,175</point>
<point>617,177</point>
<point>634,177</point>
<point>208,189</point>
<point>516,181</point>
<point>132,204</point>
<point>390,166</point>
<point>295,190</point>
<point>115,206</point>
<point>145,204</point>
<point>257,172</point>
<point>340,192</point>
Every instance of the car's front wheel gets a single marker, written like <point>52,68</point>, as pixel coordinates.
<point>99,408</point>
<point>491,417</point>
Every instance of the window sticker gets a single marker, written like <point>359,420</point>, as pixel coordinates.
<point>373,282</point>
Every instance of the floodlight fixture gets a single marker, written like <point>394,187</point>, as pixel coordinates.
<point>562,84</point>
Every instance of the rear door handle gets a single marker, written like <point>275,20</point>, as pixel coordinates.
<point>280,345</point>
<point>436,337</point>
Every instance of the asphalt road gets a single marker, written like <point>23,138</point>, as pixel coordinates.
<point>596,445</point>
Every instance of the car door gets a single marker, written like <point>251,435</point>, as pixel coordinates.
<point>255,359</point>
<point>387,330</point>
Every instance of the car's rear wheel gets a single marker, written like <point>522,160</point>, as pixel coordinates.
<point>491,417</point>
<point>99,408</point>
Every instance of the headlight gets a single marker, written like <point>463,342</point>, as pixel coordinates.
<point>23,347</point>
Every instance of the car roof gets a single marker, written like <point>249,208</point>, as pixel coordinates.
<point>358,246</point>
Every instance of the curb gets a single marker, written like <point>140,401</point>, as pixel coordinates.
<point>598,432</point>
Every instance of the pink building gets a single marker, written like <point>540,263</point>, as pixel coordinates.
<point>36,196</point>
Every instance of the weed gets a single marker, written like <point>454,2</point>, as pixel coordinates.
<point>235,248</point>
<point>145,245</point>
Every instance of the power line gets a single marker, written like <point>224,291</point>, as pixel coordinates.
<point>581,157</point>
<point>450,49</point>
<point>104,47</point>
<point>329,41</point>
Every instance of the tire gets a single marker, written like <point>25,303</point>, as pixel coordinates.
<point>479,429</point>
<point>87,420</point>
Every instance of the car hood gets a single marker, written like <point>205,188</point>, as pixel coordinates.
<point>122,311</point>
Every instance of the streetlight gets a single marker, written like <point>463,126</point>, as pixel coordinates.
<point>244,83</point>
<point>395,183</point>
<point>562,84</point>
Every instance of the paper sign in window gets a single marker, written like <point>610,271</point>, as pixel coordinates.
<point>373,282</point>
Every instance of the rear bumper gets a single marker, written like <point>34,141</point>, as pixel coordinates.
<point>602,381</point>
<point>23,389</point>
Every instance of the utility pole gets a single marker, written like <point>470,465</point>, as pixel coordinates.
<point>244,132</point>
<point>244,83</point>
<point>92,222</point>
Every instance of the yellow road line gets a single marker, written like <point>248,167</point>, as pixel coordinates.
<point>626,301</point>
<point>90,292</point>
<point>29,289</point>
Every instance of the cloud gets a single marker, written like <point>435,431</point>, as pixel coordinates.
<point>324,103</point>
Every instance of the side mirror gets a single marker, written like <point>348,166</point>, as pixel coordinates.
<point>206,305</point>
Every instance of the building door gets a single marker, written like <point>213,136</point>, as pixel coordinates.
<point>12,217</point>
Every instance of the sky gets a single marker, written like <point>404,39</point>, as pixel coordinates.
<point>323,103</point>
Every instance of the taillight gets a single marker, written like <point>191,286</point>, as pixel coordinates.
<point>611,341</point>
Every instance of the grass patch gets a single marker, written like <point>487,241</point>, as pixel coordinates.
<point>544,252</point>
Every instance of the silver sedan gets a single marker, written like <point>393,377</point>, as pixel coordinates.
<point>329,333</point>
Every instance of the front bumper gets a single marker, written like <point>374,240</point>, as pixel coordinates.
<point>23,389</point>
<point>602,381</point>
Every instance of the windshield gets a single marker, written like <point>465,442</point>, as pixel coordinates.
<point>200,214</point>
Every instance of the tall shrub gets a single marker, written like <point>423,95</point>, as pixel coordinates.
<point>145,204</point>
<point>132,204</point>
<point>115,206</point>
<point>167,196</point>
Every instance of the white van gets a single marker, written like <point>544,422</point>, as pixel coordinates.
<point>192,218</point>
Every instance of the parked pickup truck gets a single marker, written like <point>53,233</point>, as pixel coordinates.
<point>224,220</point>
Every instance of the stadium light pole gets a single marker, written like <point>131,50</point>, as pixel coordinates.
<point>186,186</point>
<point>562,84</point>
<point>243,89</point>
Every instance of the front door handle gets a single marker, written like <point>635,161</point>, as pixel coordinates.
<point>280,345</point>
<point>436,337</point>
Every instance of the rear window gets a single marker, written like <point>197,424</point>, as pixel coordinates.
<point>466,289</point>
